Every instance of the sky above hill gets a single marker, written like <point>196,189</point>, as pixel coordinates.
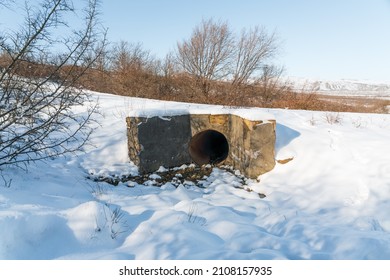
<point>330,39</point>
<point>319,39</point>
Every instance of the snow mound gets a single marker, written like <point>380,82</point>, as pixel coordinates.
<point>328,198</point>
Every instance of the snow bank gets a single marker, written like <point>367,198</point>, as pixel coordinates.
<point>331,201</point>
<point>139,107</point>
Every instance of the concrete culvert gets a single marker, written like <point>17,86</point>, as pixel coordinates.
<point>208,147</point>
<point>170,141</point>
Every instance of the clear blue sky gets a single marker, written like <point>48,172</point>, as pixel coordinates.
<point>328,39</point>
<point>325,39</point>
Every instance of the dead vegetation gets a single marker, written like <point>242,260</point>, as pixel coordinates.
<point>152,81</point>
<point>213,66</point>
<point>40,87</point>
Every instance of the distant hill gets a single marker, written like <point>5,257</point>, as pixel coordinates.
<point>342,87</point>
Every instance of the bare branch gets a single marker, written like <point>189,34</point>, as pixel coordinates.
<point>214,53</point>
<point>39,89</point>
<point>254,48</point>
<point>207,54</point>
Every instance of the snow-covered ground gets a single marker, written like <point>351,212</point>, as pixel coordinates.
<point>332,201</point>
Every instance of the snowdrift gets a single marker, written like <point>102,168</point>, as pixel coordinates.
<point>328,198</point>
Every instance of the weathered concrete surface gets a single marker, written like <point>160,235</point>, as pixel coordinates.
<point>251,143</point>
<point>158,141</point>
<point>163,141</point>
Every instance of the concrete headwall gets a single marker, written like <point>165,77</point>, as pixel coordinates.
<point>164,141</point>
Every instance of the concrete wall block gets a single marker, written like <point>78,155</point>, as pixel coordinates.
<point>161,141</point>
<point>261,149</point>
<point>164,141</point>
<point>132,139</point>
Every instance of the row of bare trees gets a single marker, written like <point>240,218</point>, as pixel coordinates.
<point>213,65</point>
<point>46,65</point>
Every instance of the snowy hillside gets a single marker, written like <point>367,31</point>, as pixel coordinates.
<point>343,87</point>
<point>331,201</point>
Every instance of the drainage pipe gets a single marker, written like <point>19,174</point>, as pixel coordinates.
<point>208,147</point>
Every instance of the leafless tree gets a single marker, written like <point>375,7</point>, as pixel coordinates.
<point>43,112</point>
<point>133,68</point>
<point>167,67</point>
<point>165,71</point>
<point>207,54</point>
<point>6,3</point>
<point>253,49</point>
<point>270,85</point>
<point>214,52</point>
<point>127,57</point>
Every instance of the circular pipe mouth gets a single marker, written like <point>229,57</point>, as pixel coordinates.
<point>208,147</point>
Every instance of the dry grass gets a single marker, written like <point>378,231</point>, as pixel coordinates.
<point>182,87</point>
<point>358,104</point>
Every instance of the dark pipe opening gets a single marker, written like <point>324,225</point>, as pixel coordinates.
<point>208,146</point>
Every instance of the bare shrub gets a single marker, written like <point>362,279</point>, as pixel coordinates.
<point>132,70</point>
<point>312,121</point>
<point>333,117</point>
<point>295,100</point>
<point>38,87</point>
